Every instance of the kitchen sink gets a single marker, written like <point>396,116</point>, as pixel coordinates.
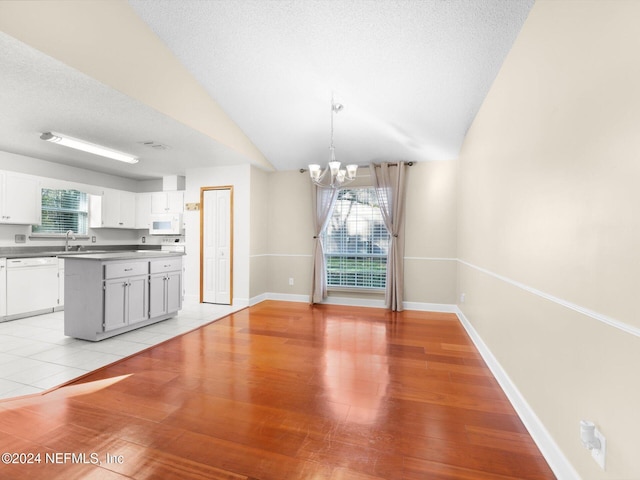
<point>79,252</point>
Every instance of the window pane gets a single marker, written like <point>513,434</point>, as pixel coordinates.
<point>360,271</point>
<point>63,210</point>
<point>356,241</point>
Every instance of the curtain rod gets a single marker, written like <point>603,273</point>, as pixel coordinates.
<point>393,164</point>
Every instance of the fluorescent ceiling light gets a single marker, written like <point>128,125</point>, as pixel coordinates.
<point>87,147</point>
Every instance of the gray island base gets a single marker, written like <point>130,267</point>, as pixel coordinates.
<point>107,294</point>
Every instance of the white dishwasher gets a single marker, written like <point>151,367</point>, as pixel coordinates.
<point>32,284</point>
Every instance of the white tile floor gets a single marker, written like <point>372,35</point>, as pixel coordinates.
<point>35,355</point>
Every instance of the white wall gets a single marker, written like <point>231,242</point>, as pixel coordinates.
<point>55,171</point>
<point>238,177</point>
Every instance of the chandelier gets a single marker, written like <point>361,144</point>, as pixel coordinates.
<point>332,176</point>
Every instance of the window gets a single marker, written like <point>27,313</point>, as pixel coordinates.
<point>63,210</point>
<point>356,241</point>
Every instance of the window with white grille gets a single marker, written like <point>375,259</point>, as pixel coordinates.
<point>356,241</point>
<point>63,210</point>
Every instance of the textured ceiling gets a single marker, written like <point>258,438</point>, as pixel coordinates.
<point>411,74</point>
<point>40,94</point>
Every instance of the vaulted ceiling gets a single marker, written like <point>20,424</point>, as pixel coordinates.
<point>411,75</point>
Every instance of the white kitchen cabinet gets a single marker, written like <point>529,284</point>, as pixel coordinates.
<point>167,202</point>
<point>154,203</point>
<point>112,209</point>
<point>143,210</point>
<point>165,286</point>
<point>108,294</point>
<point>3,287</point>
<point>20,199</point>
<point>125,294</point>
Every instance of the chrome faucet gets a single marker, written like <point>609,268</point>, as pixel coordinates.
<point>66,240</point>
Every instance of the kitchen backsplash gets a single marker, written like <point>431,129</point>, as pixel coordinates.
<point>103,237</point>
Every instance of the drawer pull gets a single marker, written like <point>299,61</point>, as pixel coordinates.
<point>128,269</point>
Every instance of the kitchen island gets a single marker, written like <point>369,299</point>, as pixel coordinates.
<point>109,293</point>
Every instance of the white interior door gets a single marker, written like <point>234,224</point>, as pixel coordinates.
<point>216,246</point>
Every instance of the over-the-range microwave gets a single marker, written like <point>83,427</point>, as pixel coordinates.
<point>166,224</point>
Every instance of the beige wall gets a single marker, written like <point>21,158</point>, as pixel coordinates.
<point>290,233</point>
<point>548,226</point>
<point>431,244</point>
<point>259,228</point>
<point>430,275</point>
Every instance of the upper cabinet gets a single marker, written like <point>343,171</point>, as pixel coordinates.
<point>112,209</point>
<point>143,210</point>
<point>167,202</point>
<point>20,199</point>
<point>119,209</point>
<point>154,203</point>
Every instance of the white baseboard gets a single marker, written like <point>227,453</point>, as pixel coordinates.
<point>257,299</point>
<point>431,307</point>
<point>191,299</point>
<point>236,302</point>
<point>241,302</point>
<point>560,465</point>
<point>281,297</point>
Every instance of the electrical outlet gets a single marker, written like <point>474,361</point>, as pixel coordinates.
<point>93,239</point>
<point>290,281</point>
<point>598,454</point>
<point>463,297</point>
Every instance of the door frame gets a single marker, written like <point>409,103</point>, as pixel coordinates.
<point>202,191</point>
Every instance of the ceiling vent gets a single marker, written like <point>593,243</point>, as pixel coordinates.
<point>155,145</point>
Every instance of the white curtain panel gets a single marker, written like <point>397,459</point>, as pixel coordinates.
<point>322,203</point>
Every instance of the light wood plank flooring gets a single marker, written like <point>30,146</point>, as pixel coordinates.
<point>282,391</point>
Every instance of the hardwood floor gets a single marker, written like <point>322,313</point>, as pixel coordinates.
<point>282,391</point>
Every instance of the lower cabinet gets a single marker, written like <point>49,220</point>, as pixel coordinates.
<point>126,294</point>
<point>107,298</point>
<point>125,302</point>
<point>165,286</point>
<point>3,288</point>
